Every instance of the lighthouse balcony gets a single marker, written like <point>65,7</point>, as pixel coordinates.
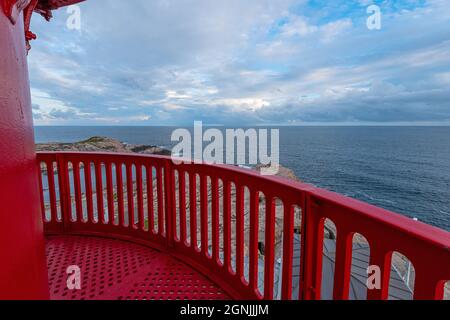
<point>142,227</point>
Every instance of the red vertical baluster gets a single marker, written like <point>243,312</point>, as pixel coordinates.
<point>176,210</point>
<point>51,190</point>
<point>159,181</point>
<point>343,264</point>
<point>215,197</point>
<point>429,277</point>
<point>227,224</point>
<point>182,201</point>
<point>88,187</point>
<point>311,256</point>
<point>120,197</point>
<point>301,287</point>
<point>440,290</point>
<point>140,196</point>
<point>130,194</point>
<point>77,186</point>
<point>41,194</point>
<point>269,248</point>
<point>288,235</point>
<point>378,257</point>
<point>64,192</point>
<point>425,288</point>
<point>110,192</point>
<point>318,260</point>
<point>204,214</point>
<point>170,201</point>
<point>99,192</point>
<point>150,203</point>
<point>254,230</point>
<point>240,231</point>
<point>193,208</point>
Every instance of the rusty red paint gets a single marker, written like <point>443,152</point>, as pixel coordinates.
<point>56,4</point>
<point>12,8</point>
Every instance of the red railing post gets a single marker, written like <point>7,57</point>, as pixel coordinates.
<point>110,192</point>
<point>169,198</point>
<point>301,286</point>
<point>312,249</point>
<point>52,191</point>
<point>150,195</point>
<point>41,193</point>
<point>215,197</point>
<point>130,194</point>
<point>254,232</point>
<point>227,225</point>
<point>182,204</point>
<point>378,257</point>
<point>88,187</point>
<point>343,264</point>
<point>64,191</point>
<point>426,288</point>
<point>193,209</point>
<point>288,236</point>
<point>162,230</point>
<point>77,188</point>
<point>240,231</point>
<point>204,215</point>
<point>270,248</point>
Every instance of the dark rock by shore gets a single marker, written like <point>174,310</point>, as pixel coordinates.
<point>103,144</point>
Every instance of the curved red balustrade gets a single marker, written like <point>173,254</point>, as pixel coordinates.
<point>191,211</point>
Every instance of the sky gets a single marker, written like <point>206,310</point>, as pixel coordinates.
<point>234,62</point>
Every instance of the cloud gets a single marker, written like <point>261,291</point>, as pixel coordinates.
<point>300,26</point>
<point>242,62</point>
<point>297,26</point>
<point>251,104</point>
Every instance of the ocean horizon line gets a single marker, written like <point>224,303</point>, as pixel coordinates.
<point>252,125</point>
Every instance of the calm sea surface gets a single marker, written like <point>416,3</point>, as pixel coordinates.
<point>403,169</point>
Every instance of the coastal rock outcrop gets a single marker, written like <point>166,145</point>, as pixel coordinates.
<point>102,144</point>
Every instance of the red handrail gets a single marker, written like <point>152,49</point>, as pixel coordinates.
<point>427,247</point>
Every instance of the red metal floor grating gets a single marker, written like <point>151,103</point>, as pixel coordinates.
<point>114,269</point>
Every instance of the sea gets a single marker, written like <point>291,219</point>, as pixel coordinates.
<point>399,168</point>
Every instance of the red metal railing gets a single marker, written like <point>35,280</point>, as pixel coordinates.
<point>191,210</point>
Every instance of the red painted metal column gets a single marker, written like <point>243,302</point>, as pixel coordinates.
<point>23,270</point>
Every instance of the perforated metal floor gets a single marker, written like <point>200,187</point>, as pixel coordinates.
<point>113,269</point>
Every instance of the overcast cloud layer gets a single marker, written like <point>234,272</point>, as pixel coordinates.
<point>170,62</point>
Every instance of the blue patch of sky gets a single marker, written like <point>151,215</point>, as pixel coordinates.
<point>321,12</point>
